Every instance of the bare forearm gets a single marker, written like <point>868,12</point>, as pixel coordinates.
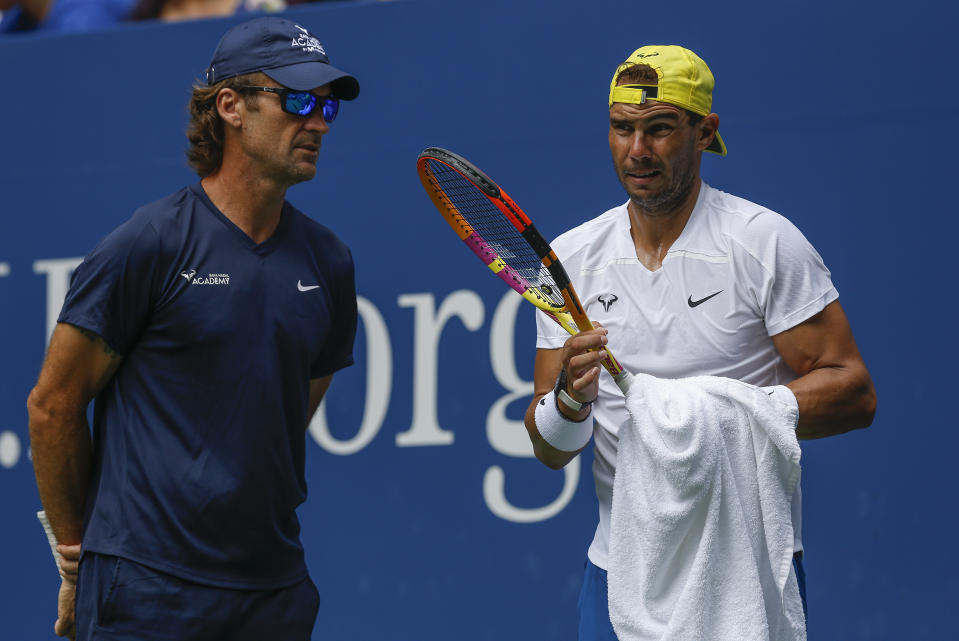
<point>62,454</point>
<point>833,400</point>
<point>78,365</point>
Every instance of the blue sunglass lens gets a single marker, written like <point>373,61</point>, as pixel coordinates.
<point>330,107</point>
<point>303,103</point>
<point>300,103</point>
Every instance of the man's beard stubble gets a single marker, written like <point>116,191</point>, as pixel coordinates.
<point>675,194</point>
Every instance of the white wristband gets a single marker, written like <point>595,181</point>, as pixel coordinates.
<point>557,430</point>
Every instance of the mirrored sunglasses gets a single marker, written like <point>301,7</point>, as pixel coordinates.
<point>302,103</point>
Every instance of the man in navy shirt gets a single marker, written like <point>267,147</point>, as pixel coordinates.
<point>208,328</point>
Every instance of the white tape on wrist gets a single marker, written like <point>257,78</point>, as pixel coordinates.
<point>559,431</point>
<point>51,537</point>
<point>569,401</point>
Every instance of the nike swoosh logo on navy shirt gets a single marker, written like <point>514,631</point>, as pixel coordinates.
<point>694,303</point>
<point>305,288</point>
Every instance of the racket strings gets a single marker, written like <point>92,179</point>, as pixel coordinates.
<point>486,220</point>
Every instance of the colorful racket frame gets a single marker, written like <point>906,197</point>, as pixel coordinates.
<point>550,289</point>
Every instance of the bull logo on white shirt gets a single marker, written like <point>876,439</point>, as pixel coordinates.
<point>607,300</point>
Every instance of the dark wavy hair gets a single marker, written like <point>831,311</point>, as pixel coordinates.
<point>205,131</point>
<point>640,74</point>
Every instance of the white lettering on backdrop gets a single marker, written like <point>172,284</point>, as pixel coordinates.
<point>58,272</point>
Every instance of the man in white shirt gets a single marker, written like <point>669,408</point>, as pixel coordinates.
<point>684,280</point>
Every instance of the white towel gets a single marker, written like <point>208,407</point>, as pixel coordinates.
<point>701,537</point>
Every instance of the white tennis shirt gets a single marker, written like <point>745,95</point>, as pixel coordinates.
<point>737,275</point>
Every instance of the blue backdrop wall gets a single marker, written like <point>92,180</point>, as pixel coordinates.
<point>428,519</point>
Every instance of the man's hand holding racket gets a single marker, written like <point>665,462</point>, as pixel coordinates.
<point>583,355</point>
<point>503,237</point>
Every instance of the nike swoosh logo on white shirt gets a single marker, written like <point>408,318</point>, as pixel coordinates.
<point>305,288</point>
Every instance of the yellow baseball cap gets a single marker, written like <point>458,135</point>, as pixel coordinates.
<point>684,81</point>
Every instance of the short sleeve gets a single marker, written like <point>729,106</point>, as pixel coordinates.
<point>111,291</point>
<point>794,283</point>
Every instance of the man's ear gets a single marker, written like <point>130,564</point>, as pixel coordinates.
<point>229,106</point>
<point>707,131</point>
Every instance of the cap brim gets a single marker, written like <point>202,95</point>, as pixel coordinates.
<point>305,76</point>
<point>717,146</point>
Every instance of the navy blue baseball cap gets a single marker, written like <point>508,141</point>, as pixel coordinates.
<point>283,50</point>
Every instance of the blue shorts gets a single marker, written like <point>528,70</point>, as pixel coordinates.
<point>120,599</point>
<point>594,623</point>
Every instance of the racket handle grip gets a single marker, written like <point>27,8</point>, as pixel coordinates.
<point>624,379</point>
<point>51,537</point>
<point>621,377</point>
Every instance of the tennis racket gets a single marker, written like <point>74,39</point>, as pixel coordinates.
<point>494,227</point>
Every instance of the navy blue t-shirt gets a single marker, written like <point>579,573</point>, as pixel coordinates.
<point>199,438</point>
